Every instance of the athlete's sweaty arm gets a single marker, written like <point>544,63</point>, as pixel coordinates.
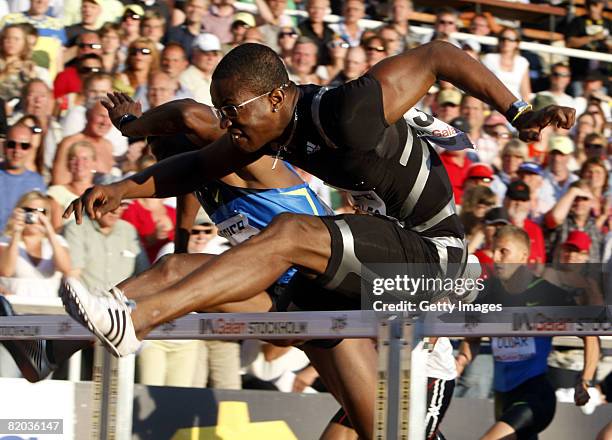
<point>179,116</point>
<point>405,78</point>
<point>174,176</point>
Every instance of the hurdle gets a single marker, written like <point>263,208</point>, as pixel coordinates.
<point>401,390</point>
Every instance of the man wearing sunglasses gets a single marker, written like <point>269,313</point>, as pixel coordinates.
<point>15,179</point>
<point>355,137</point>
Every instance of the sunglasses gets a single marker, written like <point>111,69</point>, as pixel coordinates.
<point>89,69</point>
<point>231,111</point>
<point>140,50</point>
<point>513,40</point>
<point>40,210</point>
<point>446,22</point>
<point>133,16</point>
<point>375,49</point>
<point>593,146</point>
<point>561,75</point>
<point>201,231</point>
<point>288,34</point>
<point>337,44</point>
<point>581,199</point>
<point>13,144</point>
<point>90,45</point>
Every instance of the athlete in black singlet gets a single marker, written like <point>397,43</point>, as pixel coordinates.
<point>354,137</point>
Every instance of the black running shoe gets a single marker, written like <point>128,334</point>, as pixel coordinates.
<point>30,356</point>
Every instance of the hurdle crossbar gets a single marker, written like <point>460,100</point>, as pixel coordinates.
<point>518,321</point>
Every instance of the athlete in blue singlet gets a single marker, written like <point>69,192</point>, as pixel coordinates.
<point>524,399</point>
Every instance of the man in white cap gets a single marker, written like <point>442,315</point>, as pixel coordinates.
<point>557,176</point>
<point>206,54</point>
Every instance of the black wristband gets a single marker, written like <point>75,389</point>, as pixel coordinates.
<point>128,117</point>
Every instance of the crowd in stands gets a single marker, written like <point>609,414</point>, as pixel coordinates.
<point>59,58</point>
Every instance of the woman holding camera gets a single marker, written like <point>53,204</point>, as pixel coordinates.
<point>32,256</point>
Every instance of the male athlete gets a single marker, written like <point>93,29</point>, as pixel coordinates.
<point>353,137</point>
<point>524,399</point>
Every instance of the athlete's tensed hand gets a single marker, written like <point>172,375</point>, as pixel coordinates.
<point>581,394</point>
<point>120,104</point>
<point>531,123</point>
<point>95,201</point>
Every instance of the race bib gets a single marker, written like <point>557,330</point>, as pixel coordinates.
<point>236,229</point>
<point>367,202</point>
<point>513,349</point>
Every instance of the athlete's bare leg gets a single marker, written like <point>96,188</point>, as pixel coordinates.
<point>348,370</point>
<point>165,272</point>
<point>606,433</point>
<point>500,431</point>
<point>336,431</point>
<point>240,273</point>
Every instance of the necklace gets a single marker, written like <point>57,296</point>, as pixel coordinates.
<point>284,146</point>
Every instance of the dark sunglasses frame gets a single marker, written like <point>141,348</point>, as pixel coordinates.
<point>90,45</point>
<point>141,50</point>
<point>13,144</point>
<point>39,210</point>
<point>201,231</point>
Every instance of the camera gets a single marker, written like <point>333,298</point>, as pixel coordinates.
<point>31,218</point>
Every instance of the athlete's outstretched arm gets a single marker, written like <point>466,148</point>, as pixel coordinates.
<point>179,116</point>
<point>174,176</point>
<point>407,77</point>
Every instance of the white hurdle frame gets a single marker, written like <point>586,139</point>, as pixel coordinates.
<point>400,395</point>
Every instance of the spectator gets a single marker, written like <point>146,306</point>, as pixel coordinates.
<point>153,27</point>
<point>70,79</point>
<point>479,25</point>
<point>185,33</point>
<point>174,62</point>
<point>51,33</point>
<point>560,78</point>
<point>81,159</point>
<point>142,60</point>
<point>104,251</point>
<point>38,102</point>
<point>95,87</point>
<point>448,101</point>
<point>16,65</point>
<point>287,37</point>
<point>254,35</point>
<point>272,13</point>
<point>511,68</point>
<point>219,18</point>
<point>557,175</point>
<point>315,28</point>
<point>90,12</point>
<point>595,174</point>
<point>243,21</point>
<point>493,220</point>
<point>594,90</point>
<point>15,179</point>
<point>477,201</point>
<point>355,65</point>
<point>338,48</point>
<point>35,155</point>
<point>130,24</point>
<point>588,32</point>
<point>445,26</point>
<point>540,202</point>
<point>585,125</point>
<point>158,7</point>
<point>595,109</point>
<point>398,18</point>
<point>478,174</point>
<point>496,126</point>
<point>392,38</point>
<point>473,110</point>
<point>205,57</point>
<point>573,211</point>
<point>376,50</point>
<point>472,48</point>
<point>595,148</point>
<point>518,205</point>
<point>33,257</point>
<point>112,58</point>
<point>348,28</point>
<point>160,88</point>
<point>110,12</point>
<point>98,125</point>
<point>304,62</point>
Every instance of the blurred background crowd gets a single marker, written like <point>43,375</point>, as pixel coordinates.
<point>59,58</point>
